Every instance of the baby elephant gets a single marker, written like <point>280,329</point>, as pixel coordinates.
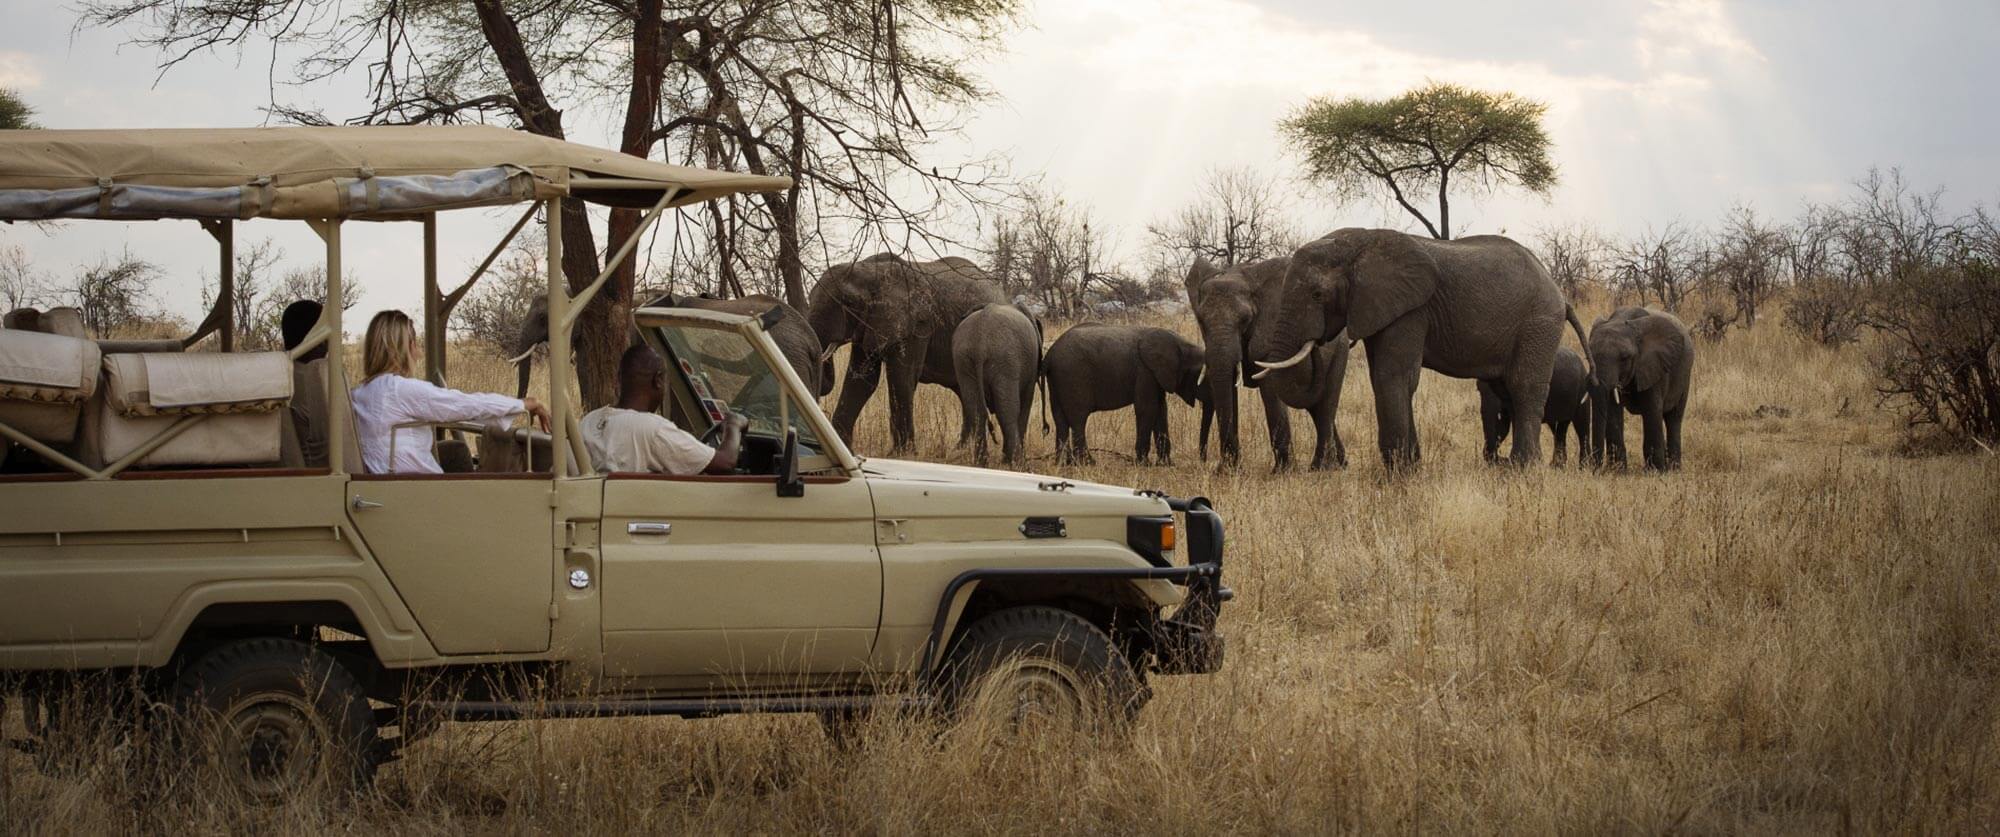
<point>1568,386</point>
<point>1098,366</point>
<point>997,352</point>
<point>1643,361</point>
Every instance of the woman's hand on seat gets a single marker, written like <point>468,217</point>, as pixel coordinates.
<point>538,410</point>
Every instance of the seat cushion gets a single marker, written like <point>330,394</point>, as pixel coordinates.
<point>140,385</point>
<point>44,381</point>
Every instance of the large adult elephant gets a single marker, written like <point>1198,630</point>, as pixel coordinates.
<point>899,314</point>
<point>795,339</point>
<point>1238,310</point>
<point>1644,364</point>
<point>1481,307</point>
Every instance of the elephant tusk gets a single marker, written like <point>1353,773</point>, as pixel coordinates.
<point>522,356</point>
<point>1614,398</point>
<point>827,353</point>
<point>1304,351</point>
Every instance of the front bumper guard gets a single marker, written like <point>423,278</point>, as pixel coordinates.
<point>1187,642</point>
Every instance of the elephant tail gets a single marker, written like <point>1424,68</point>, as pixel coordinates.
<point>1042,380</point>
<point>1589,369</point>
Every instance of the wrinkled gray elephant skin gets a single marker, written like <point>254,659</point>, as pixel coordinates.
<point>1098,367</point>
<point>900,315</point>
<point>1643,362</point>
<point>997,352</point>
<point>1569,387</point>
<point>1481,307</point>
<point>1238,309</point>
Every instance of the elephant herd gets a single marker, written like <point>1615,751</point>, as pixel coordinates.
<point>1481,307</point>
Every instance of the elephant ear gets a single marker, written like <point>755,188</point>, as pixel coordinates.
<point>1160,354</point>
<point>1661,350</point>
<point>1198,273</point>
<point>1392,276</point>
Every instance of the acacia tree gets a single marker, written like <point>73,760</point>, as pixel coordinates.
<point>15,113</point>
<point>1426,140</point>
<point>840,95</point>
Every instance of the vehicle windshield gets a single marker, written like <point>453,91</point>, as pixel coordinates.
<point>724,372</point>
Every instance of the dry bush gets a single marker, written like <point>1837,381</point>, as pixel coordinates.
<point>1798,632</point>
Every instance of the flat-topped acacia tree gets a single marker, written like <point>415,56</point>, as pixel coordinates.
<point>1428,139</point>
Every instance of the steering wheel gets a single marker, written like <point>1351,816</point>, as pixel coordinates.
<point>712,437</point>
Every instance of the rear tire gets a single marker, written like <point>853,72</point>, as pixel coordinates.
<point>278,719</point>
<point>1037,665</point>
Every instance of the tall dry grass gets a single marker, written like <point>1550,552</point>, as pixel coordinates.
<point>1798,632</point>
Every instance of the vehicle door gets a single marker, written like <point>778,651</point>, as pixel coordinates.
<point>472,554</point>
<point>717,581</point>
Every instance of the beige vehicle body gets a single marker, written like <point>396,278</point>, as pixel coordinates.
<point>813,580</point>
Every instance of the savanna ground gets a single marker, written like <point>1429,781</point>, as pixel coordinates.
<point>1799,632</point>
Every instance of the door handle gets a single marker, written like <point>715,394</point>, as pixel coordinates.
<point>362,504</point>
<point>649,528</point>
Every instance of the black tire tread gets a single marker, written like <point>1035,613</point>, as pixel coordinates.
<point>1018,629</point>
<point>342,703</point>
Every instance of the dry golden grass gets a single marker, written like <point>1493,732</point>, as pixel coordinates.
<point>1800,632</point>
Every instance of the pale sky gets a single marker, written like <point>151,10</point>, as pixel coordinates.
<point>1660,110</point>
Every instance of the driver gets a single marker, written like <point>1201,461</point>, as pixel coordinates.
<point>632,437</point>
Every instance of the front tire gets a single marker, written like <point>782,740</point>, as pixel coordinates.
<point>278,719</point>
<point>1035,665</point>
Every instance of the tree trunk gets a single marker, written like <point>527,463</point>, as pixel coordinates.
<point>594,366</point>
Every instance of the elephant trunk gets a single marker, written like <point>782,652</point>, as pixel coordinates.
<point>1223,363</point>
<point>1207,419</point>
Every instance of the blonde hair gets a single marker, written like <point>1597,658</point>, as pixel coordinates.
<point>390,346</point>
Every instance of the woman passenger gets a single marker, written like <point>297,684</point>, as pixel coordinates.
<point>389,396</point>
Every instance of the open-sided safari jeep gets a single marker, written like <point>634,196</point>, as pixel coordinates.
<point>161,536</point>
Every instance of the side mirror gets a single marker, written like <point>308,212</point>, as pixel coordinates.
<point>789,484</point>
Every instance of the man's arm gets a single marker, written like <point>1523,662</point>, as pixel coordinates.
<point>724,460</point>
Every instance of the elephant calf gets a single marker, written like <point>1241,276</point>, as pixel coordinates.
<point>1096,367</point>
<point>996,352</point>
<point>1567,389</point>
<point>1643,361</point>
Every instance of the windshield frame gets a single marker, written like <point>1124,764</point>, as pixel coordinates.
<point>795,398</point>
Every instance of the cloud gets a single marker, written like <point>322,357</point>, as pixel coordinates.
<point>1679,31</point>
<point>17,70</point>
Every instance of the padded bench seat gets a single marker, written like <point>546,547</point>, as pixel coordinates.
<point>244,396</point>
<point>45,380</point>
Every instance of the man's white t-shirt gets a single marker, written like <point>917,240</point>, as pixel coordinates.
<point>629,441</point>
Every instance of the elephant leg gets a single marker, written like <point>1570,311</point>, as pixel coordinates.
<point>1562,444</point>
<point>1395,362</point>
<point>864,373</point>
<point>1328,452</point>
<point>1655,439</point>
<point>1081,446</point>
<point>973,397</point>
<point>1149,406</point>
<point>1527,391</point>
<point>1065,451</point>
<point>903,368</point>
<point>1492,418</point>
<point>1278,421</point>
<point>1673,421</point>
<point>1005,405</point>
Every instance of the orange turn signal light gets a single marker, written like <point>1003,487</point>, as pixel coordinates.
<point>1166,537</point>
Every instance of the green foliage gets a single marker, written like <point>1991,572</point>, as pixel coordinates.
<point>1417,141</point>
<point>14,112</point>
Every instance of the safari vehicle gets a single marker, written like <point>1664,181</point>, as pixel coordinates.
<point>159,534</point>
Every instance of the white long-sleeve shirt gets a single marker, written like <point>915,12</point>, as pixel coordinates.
<point>389,400</point>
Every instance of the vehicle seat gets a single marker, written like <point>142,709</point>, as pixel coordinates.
<point>503,450</point>
<point>45,380</point>
<point>245,395</point>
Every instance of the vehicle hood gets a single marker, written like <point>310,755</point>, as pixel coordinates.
<point>934,472</point>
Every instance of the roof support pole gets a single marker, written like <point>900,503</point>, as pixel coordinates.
<point>329,319</point>
<point>584,297</point>
<point>560,370</point>
<point>434,311</point>
<point>225,235</point>
<point>222,315</point>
